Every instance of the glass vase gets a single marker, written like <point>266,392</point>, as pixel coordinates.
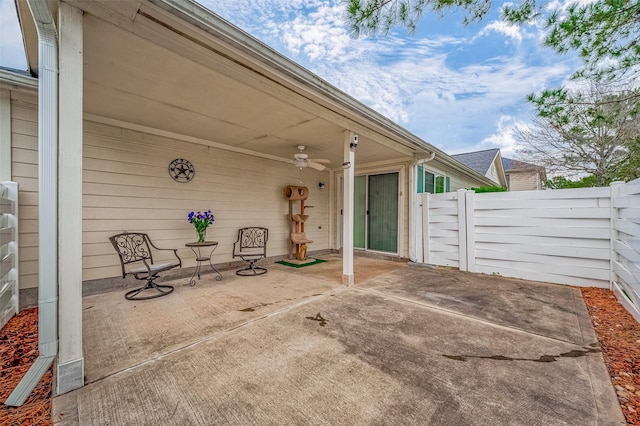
<point>202,235</point>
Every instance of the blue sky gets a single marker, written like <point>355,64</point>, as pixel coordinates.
<point>459,88</point>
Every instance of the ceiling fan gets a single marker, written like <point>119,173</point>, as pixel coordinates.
<point>302,160</point>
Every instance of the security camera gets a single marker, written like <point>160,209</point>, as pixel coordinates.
<point>354,144</point>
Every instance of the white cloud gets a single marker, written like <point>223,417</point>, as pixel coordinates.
<point>320,35</point>
<point>504,136</point>
<point>512,31</point>
<point>457,90</point>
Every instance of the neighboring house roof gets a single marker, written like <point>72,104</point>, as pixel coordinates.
<point>524,176</point>
<point>481,162</point>
<point>514,166</point>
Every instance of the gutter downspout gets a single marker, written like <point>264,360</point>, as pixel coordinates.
<point>48,202</point>
<point>414,238</point>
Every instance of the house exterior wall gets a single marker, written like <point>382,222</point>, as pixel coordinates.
<point>127,187</point>
<point>458,180</point>
<point>524,181</point>
<point>492,174</point>
<point>24,171</point>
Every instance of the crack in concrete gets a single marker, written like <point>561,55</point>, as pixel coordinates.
<point>575,353</point>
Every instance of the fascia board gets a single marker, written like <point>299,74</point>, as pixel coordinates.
<point>351,108</point>
<point>11,80</point>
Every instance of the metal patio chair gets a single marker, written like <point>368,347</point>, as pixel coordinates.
<point>135,250</point>
<point>251,246</point>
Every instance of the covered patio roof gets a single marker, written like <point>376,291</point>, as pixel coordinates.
<point>172,68</point>
<point>188,73</point>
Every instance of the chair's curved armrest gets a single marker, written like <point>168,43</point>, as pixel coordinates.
<point>175,252</point>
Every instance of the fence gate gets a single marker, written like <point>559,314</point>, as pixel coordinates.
<point>8,251</point>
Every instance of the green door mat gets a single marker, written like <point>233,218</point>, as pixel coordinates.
<point>300,265</point>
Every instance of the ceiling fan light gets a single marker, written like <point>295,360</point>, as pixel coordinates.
<point>300,163</point>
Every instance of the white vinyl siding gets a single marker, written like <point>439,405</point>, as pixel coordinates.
<point>524,181</point>
<point>127,187</point>
<point>24,171</point>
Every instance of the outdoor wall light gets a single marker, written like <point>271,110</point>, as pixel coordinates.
<point>346,164</point>
<point>321,186</point>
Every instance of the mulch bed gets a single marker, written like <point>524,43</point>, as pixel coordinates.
<point>18,350</point>
<point>617,331</point>
<point>619,335</point>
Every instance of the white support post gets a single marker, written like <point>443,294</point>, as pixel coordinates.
<point>348,215</point>
<point>426,230</point>
<point>470,229</point>
<point>5,135</point>
<point>70,365</point>
<point>415,254</point>
<point>462,229</point>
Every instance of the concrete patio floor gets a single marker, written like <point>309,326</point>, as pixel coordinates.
<point>406,345</point>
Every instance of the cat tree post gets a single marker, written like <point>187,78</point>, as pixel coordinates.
<point>298,239</point>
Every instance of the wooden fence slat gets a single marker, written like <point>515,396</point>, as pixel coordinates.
<point>556,194</point>
<point>542,222</point>
<point>6,236</point>
<point>544,240</point>
<point>6,206</point>
<point>594,203</point>
<point>585,264</point>
<point>557,270</point>
<point>556,213</point>
<point>578,233</point>
<point>550,250</point>
<point>626,251</point>
<point>629,228</point>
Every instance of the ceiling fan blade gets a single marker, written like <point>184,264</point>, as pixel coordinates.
<point>320,160</point>
<point>317,166</point>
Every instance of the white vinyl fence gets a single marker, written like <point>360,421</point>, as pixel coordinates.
<point>625,243</point>
<point>563,236</point>
<point>8,251</point>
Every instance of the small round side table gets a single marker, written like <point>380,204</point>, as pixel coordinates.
<point>200,258</point>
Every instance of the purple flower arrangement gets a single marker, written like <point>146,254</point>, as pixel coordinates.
<point>201,222</point>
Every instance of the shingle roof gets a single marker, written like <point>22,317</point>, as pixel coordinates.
<point>516,165</point>
<point>480,161</point>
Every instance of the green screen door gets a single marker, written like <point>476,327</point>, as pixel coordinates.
<point>383,212</point>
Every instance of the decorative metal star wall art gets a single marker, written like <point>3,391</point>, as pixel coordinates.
<point>181,170</point>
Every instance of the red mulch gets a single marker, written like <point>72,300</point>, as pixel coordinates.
<point>619,335</point>
<point>617,331</point>
<point>18,350</point>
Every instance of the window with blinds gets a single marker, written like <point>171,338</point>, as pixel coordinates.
<point>432,183</point>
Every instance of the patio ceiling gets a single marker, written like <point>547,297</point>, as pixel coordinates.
<point>171,66</point>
